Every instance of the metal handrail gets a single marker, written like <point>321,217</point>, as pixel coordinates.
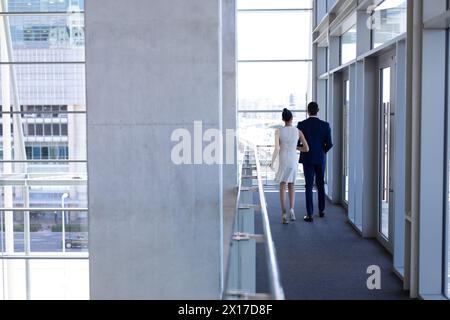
<point>272,264</point>
<point>238,197</point>
<point>276,290</point>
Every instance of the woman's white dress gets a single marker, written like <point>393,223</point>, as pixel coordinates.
<point>286,140</point>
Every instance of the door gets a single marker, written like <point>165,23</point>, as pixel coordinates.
<point>386,150</point>
<point>345,140</point>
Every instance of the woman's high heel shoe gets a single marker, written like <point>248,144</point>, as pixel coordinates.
<point>284,218</point>
<point>292,214</point>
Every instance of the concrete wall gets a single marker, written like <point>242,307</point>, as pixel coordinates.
<point>155,228</point>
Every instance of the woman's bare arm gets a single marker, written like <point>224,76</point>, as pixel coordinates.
<point>305,146</point>
<point>277,147</point>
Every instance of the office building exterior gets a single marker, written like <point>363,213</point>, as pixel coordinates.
<point>96,95</point>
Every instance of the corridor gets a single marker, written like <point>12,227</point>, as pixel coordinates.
<point>324,260</point>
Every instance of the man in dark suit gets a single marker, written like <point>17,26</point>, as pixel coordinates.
<point>318,135</point>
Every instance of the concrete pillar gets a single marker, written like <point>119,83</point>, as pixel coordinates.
<point>155,227</point>
<point>229,98</point>
<point>229,114</point>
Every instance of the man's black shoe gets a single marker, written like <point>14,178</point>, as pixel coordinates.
<point>322,214</point>
<point>308,219</point>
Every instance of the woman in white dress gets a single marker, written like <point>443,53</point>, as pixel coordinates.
<point>286,146</point>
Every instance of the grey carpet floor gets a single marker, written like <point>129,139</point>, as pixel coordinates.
<point>326,260</point>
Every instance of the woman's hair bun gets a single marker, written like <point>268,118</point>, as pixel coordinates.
<point>287,115</point>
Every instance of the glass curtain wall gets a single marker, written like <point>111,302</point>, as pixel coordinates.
<point>274,69</point>
<point>348,45</point>
<point>43,174</point>
<point>388,21</point>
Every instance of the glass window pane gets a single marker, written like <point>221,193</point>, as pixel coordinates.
<point>48,129</point>
<point>39,129</point>
<point>49,38</point>
<point>388,21</point>
<point>385,162</point>
<point>44,5</point>
<point>12,236</point>
<point>274,35</point>
<point>44,153</point>
<point>50,31</point>
<point>259,129</point>
<point>31,130</point>
<point>56,129</point>
<point>47,233</point>
<point>64,131</point>
<point>348,45</point>
<point>274,85</point>
<point>274,4</point>
<point>346,141</point>
<point>50,84</point>
<point>59,279</point>
<point>44,194</point>
<point>29,152</point>
<point>36,153</point>
<point>63,153</point>
<point>47,110</point>
<point>56,109</point>
<point>54,152</point>
<point>15,269</point>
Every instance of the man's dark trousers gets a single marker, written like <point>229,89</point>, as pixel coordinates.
<point>317,172</point>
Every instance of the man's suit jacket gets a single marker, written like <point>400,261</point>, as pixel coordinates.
<point>318,136</point>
